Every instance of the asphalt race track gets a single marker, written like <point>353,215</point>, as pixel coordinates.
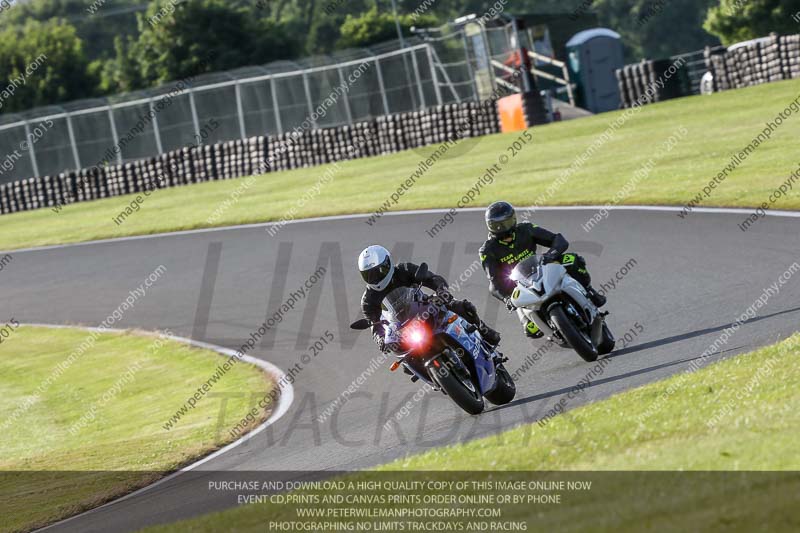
<point>690,279</point>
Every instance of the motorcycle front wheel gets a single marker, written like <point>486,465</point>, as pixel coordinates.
<point>461,390</point>
<point>579,342</point>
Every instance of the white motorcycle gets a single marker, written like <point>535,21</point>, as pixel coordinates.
<point>560,306</point>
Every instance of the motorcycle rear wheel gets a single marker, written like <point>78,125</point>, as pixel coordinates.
<point>575,338</point>
<point>505,390</point>
<point>607,344</point>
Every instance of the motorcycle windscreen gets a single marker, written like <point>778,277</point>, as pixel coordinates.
<point>527,270</point>
<point>403,304</point>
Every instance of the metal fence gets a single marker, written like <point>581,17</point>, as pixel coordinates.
<point>277,98</point>
<point>270,100</point>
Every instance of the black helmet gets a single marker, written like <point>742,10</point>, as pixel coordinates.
<point>501,219</point>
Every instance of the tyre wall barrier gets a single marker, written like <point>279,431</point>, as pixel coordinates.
<point>763,61</point>
<point>254,156</point>
<point>773,58</point>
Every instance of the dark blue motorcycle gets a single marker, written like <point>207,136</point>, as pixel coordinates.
<point>441,348</point>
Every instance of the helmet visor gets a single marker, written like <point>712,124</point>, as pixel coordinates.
<point>502,226</point>
<point>376,274</point>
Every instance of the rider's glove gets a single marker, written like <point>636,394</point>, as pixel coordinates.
<point>379,340</point>
<point>509,304</point>
<point>444,296</point>
<point>551,256</point>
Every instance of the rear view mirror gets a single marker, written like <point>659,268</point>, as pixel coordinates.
<point>360,324</point>
<point>422,273</point>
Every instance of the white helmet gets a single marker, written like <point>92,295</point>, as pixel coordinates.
<point>376,267</point>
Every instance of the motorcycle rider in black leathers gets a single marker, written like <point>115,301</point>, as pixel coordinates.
<point>510,243</point>
<point>382,276</point>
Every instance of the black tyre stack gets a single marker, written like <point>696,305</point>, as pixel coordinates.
<point>648,82</point>
<point>790,56</point>
<point>256,155</point>
<point>773,59</point>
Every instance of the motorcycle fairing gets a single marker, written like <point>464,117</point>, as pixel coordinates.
<point>457,329</point>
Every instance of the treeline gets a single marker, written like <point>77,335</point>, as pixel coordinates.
<point>102,47</point>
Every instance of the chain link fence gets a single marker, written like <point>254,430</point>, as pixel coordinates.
<point>274,99</point>
<point>271,100</point>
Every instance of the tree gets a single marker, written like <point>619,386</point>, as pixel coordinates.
<point>656,29</point>
<point>96,23</point>
<point>374,27</point>
<point>46,63</point>
<point>738,20</point>
<point>191,38</point>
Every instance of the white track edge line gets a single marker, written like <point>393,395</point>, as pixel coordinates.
<point>705,210</point>
<point>285,401</point>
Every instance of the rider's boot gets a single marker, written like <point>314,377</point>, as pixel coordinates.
<point>597,299</point>
<point>532,331</point>
<point>490,335</point>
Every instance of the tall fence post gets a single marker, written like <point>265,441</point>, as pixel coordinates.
<point>195,118</point>
<point>72,142</point>
<point>489,66</point>
<point>114,134</point>
<point>156,133</point>
<point>308,99</point>
<point>346,98</point>
<point>382,87</point>
<point>31,151</point>
<point>434,76</point>
<point>275,108</point>
<point>474,84</point>
<point>415,64</point>
<point>240,109</point>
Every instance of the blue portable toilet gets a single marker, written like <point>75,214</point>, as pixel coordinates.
<point>594,57</point>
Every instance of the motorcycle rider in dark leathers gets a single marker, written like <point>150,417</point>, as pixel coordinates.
<point>382,276</point>
<point>510,243</point>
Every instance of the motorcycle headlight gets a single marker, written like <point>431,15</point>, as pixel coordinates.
<point>416,335</point>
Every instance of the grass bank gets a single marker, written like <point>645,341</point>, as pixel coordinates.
<point>78,431</point>
<point>741,414</point>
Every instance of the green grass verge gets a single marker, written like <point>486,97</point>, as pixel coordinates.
<point>116,397</point>
<point>718,126</point>
<point>753,400</point>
